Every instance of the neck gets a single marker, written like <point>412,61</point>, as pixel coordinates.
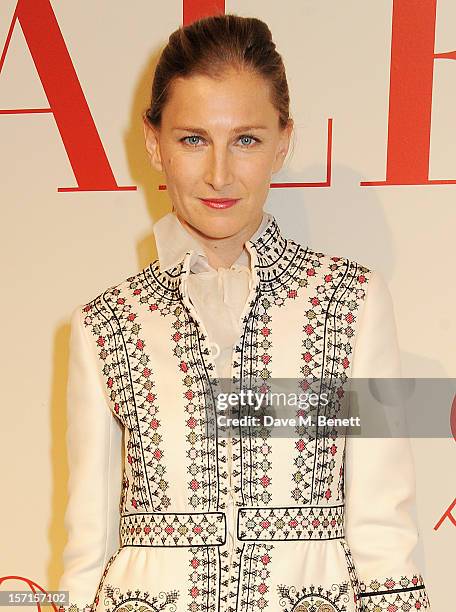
<point>223,252</point>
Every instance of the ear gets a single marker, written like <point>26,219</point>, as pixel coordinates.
<point>152,145</point>
<point>283,146</point>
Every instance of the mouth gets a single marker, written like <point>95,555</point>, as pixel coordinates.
<point>219,202</point>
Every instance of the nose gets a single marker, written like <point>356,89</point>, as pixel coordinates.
<point>219,171</point>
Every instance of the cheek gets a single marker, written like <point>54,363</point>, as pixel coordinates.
<point>180,168</point>
<point>255,171</point>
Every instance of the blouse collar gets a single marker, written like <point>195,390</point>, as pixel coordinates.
<point>174,241</point>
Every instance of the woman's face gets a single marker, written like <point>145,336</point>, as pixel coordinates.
<point>219,139</point>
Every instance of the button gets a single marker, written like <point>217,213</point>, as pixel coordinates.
<point>215,349</point>
<point>239,268</point>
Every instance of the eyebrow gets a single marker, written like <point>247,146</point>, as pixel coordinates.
<point>242,128</point>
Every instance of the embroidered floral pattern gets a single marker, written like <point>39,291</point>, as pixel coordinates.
<point>193,363</point>
<point>405,593</point>
<point>146,452</point>
<point>121,350</point>
<point>254,593</point>
<point>305,523</point>
<point>173,529</point>
<point>276,265</point>
<point>139,601</point>
<point>230,563</point>
<point>72,607</point>
<point>314,598</point>
<point>328,329</point>
<point>203,578</point>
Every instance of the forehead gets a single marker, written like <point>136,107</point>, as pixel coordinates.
<point>242,97</point>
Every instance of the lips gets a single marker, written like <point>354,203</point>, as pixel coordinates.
<point>219,202</point>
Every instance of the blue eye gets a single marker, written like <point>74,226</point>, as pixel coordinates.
<point>186,140</point>
<point>186,137</point>
<point>248,136</point>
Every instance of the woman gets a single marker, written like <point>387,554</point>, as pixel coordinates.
<point>213,522</point>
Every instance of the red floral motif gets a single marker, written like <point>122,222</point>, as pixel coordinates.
<point>192,422</point>
<point>404,593</point>
<point>300,445</point>
<point>265,481</point>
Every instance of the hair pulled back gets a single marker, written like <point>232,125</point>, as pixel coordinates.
<point>212,45</point>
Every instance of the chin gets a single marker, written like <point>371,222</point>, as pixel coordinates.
<point>220,228</point>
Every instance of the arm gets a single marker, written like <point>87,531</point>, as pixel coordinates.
<point>94,438</point>
<point>379,475</point>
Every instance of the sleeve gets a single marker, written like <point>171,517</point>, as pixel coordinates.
<point>379,476</point>
<point>94,449</point>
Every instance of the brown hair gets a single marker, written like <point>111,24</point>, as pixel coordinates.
<point>213,44</point>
